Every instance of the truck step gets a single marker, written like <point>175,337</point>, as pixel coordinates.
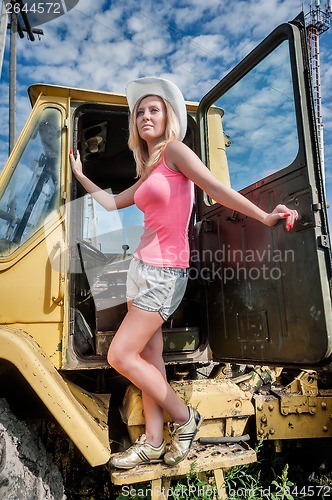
<point>203,458</point>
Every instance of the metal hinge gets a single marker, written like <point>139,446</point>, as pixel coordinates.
<point>208,225</point>
<point>324,241</point>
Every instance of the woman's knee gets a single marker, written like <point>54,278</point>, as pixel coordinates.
<point>115,357</point>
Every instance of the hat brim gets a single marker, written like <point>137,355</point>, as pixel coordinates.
<point>137,89</point>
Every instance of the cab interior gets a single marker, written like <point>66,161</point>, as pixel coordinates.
<point>103,243</point>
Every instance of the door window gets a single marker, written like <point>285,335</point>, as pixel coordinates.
<point>116,233</point>
<point>259,123</point>
<point>33,189</point>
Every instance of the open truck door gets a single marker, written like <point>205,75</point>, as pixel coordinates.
<point>268,290</point>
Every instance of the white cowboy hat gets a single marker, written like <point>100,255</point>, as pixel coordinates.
<point>137,89</point>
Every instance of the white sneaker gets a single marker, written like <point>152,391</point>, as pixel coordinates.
<point>182,437</point>
<point>139,453</point>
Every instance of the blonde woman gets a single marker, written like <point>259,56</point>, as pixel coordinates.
<point>167,170</point>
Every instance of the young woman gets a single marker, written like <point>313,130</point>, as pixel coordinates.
<point>167,170</point>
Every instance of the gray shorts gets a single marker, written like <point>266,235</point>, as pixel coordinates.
<point>153,288</point>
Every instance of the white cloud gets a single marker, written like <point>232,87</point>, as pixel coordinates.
<point>102,45</point>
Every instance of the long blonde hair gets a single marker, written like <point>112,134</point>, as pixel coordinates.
<point>144,162</point>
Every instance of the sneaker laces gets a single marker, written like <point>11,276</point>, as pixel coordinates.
<point>173,427</point>
<point>173,445</point>
<point>141,439</point>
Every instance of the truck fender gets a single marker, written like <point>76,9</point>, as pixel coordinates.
<point>82,415</point>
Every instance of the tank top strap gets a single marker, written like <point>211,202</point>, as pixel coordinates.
<point>163,163</point>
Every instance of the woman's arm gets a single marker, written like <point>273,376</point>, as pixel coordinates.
<point>181,157</point>
<point>104,198</point>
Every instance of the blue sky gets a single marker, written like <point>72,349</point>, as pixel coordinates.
<point>103,45</point>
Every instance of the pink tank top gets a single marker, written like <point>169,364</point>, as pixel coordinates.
<point>166,198</point>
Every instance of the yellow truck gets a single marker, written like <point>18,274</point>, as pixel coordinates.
<point>257,311</point>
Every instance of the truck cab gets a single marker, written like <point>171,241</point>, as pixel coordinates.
<point>256,297</point>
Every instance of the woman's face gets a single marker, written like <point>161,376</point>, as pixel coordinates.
<point>151,119</point>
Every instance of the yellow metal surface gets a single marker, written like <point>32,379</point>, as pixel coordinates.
<point>58,92</point>
<point>76,94</point>
<point>305,383</point>
<point>224,406</point>
<point>293,417</point>
<point>82,415</point>
<point>217,146</point>
<point>28,285</point>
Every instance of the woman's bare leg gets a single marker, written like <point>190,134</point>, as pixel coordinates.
<point>153,413</point>
<point>126,356</point>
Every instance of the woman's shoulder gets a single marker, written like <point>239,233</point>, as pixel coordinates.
<point>175,146</point>
<point>177,154</point>
<point>174,153</point>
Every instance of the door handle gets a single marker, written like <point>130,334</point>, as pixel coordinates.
<point>235,217</point>
<point>59,245</point>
